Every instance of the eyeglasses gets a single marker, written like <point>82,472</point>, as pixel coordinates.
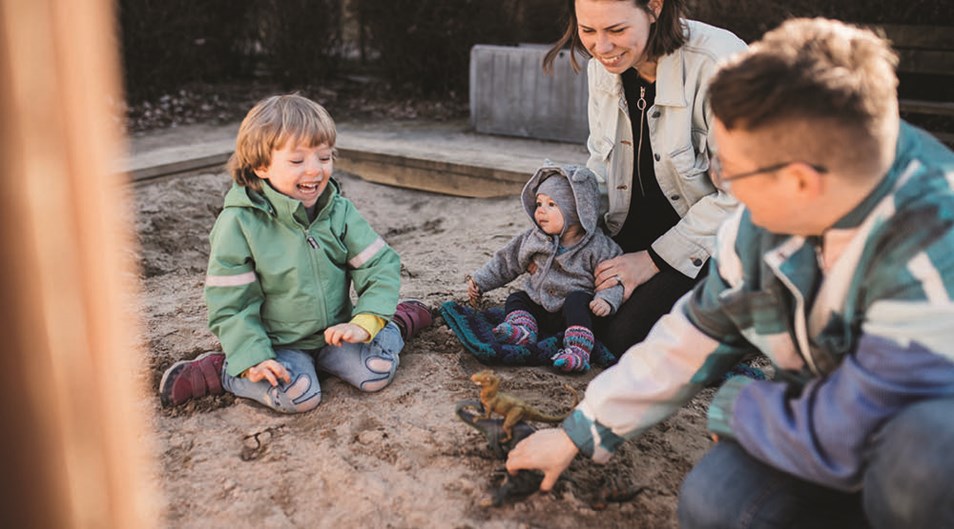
<point>722,181</point>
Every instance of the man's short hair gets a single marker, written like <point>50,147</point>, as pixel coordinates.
<point>827,80</point>
<point>269,125</point>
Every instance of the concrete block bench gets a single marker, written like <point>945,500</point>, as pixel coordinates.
<point>511,95</point>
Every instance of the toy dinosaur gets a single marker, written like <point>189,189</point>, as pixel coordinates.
<point>511,408</point>
<point>472,413</point>
<point>511,488</point>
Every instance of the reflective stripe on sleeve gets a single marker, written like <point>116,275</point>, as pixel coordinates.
<point>230,281</point>
<point>367,253</point>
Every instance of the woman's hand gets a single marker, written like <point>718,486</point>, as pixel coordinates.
<point>346,332</point>
<point>629,270</point>
<point>600,307</point>
<point>549,450</point>
<point>270,370</point>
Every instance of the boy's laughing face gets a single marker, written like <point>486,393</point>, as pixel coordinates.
<point>299,171</point>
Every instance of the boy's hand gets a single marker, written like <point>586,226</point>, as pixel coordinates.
<point>473,291</point>
<point>270,370</point>
<point>600,307</point>
<point>346,332</point>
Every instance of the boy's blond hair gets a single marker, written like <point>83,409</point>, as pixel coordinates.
<point>821,89</point>
<point>269,125</point>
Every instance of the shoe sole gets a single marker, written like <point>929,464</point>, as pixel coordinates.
<point>165,394</point>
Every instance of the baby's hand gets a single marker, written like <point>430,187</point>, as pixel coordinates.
<point>600,307</point>
<point>346,332</point>
<point>270,370</point>
<point>473,291</point>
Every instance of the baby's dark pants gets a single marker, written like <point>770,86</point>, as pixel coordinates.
<point>576,311</point>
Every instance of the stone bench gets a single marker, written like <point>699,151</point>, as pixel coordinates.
<point>511,95</point>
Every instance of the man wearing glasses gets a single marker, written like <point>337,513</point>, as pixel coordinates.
<point>840,269</point>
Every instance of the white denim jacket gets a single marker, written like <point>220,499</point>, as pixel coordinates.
<point>680,134</point>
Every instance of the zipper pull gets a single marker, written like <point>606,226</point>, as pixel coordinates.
<point>312,242</point>
<point>641,105</point>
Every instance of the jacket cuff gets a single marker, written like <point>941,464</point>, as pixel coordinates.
<point>480,280</point>
<point>236,363</point>
<point>723,405</point>
<point>660,263</point>
<point>369,322</point>
<point>613,296</point>
<point>681,253</point>
<point>592,438</point>
<point>577,427</point>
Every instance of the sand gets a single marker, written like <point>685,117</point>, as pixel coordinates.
<point>398,458</point>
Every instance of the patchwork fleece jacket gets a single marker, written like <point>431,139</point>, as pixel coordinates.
<point>277,280</point>
<point>556,275</point>
<point>873,338</point>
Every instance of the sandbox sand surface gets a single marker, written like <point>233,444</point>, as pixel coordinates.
<point>399,458</point>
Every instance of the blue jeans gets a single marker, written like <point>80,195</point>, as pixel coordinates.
<point>366,366</point>
<point>908,483</point>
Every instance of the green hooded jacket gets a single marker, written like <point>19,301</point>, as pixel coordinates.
<point>276,280</point>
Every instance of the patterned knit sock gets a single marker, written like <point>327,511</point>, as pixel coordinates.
<point>577,346</point>
<point>519,328</point>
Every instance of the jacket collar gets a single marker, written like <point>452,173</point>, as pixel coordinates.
<point>903,157</point>
<point>278,205</point>
<point>670,80</point>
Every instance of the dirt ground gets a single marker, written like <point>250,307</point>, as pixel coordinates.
<point>399,458</point>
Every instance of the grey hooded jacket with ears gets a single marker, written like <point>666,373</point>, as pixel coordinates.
<point>556,275</point>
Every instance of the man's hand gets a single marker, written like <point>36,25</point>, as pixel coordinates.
<point>346,332</point>
<point>600,307</point>
<point>549,450</point>
<point>629,270</point>
<point>271,370</point>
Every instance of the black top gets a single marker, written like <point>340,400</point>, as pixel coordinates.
<point>650,213</point>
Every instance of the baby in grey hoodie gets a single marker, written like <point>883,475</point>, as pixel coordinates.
<point>561,252</point>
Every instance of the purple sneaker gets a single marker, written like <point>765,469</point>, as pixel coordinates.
<point>189,379</point>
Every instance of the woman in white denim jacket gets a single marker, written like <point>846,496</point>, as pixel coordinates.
<point>649,144</point>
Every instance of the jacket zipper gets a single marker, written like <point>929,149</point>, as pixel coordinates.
<point>641,105</point>
<point>312,242</point>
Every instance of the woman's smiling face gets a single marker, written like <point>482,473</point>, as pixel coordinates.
<point>614,32</point>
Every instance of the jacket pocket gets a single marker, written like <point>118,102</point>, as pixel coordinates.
<point>288,319</point>
<point>601,148</point>
<point>688,164</point>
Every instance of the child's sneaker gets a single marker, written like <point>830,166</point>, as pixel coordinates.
<point>519,328</point>
<point>189,379</point>
<point>577,346</point>
<point>411,316</point>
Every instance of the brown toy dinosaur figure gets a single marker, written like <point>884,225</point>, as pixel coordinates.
<point>512,408</point>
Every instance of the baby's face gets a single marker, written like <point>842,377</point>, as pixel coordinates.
<point>299,171</point>
<point>548,215</point>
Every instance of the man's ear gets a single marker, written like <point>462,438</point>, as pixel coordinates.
<point>656,7</point>
<point>809,182</point>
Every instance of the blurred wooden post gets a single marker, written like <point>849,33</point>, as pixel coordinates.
<point>72,442</point>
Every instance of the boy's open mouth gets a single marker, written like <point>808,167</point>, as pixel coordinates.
<point>309,187</point>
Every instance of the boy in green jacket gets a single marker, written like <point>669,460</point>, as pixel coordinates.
<point>285,251</point>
